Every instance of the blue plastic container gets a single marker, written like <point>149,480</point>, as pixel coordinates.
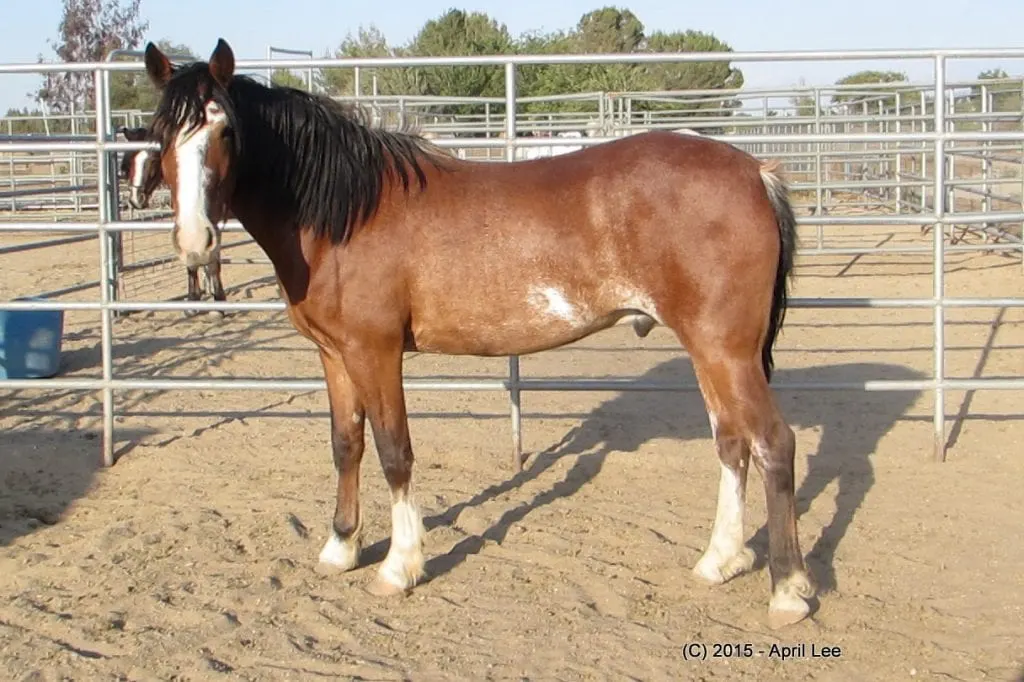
<point>30,342</point>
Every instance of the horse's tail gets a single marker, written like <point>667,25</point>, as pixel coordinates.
<point>778,195</point>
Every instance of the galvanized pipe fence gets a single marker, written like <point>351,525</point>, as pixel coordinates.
<point>107,227</point>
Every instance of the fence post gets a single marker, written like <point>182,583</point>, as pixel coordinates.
<point>820,229</point>
<point>513,360</point>
<point>106,281</point>
<point>924,155</point>
<point>939,235</point>
<point>898,173</point>
<point>986,157</point>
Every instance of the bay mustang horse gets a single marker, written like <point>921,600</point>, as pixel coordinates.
<point>140,168</point>
<point>383,243</point>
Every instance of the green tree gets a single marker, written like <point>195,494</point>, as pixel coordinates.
<point>27,121</point>
<point>88,31</point>
<point>368,42</point>
<point>705,75</point>
<point>132,90</point>
<point>614,30</point>
<point>870,78</point>
<point>804,105</point>
<point>609,30</point>
<point>459,33</point>
<point>1005,96</point>
<point>538,80</point>
<point>288,78</point>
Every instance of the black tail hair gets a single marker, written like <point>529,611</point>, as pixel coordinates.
<point>778,195</point>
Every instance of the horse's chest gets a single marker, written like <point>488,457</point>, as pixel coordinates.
<point>303,322</point>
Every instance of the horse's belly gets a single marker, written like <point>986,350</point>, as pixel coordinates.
<point>497,339</point>
<point>544,318</point>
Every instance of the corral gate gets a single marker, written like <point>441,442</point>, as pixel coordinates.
<point>107,227</point>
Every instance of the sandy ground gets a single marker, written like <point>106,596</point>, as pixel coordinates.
<point>193,558</point>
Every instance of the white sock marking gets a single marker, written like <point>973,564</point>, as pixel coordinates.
<point>726,556</point>
<point>340,553</point>
<point>403,565</point>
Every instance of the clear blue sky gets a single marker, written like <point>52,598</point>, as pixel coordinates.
<point>747,25</point>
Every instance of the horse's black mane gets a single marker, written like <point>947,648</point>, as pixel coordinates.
<point>306,154</point>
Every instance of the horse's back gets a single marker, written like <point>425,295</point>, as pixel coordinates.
<point>563,246</point>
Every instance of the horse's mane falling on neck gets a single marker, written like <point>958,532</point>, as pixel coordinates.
<point>304,156</point>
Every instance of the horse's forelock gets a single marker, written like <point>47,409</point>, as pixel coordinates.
<point>182,107</point>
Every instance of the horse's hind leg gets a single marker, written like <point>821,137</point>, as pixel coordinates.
<point>747,425</point>
<point>726,555</point>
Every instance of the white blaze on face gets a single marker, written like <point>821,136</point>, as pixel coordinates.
<point>136,177</point>
<point>138,168</point>
<point>194,225</point>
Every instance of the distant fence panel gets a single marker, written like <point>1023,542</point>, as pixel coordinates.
<point>904,153</point>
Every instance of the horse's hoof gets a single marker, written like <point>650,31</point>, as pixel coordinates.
<point>216,314</point>
<point>784,617</point>
<point>788,605</point>
<point>711,570</point>
<point>381,587</point>
<point>327,570</point>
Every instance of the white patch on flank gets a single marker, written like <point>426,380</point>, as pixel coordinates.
<point>726,555</point>
<point>356,417</point>
<point>190,152</point>
<point>339,553</point>
<point>553,302</point>
<point>403,565</point>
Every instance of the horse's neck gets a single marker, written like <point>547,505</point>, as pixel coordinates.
<point>281,244</point>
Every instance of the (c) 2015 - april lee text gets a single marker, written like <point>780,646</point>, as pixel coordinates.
<point>784,652</point>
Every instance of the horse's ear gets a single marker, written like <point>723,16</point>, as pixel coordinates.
<point>222,63</point>
<point>158,66</point>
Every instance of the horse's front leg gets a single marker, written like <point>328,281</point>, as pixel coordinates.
<point>214,284</point>
<point>194,292</point>
<point>341,552</point>
<point>376,370</point>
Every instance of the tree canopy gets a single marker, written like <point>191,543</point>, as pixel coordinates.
<point>90,29</point>
<point>603,30</point>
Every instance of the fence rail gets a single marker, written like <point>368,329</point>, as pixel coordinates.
<point>928,147</point>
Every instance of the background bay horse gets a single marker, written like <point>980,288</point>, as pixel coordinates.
<point>382,243</point>
<point>140,168</point>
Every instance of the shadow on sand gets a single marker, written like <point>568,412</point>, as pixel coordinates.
<point>43,471</point>
<point>850,430</point>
